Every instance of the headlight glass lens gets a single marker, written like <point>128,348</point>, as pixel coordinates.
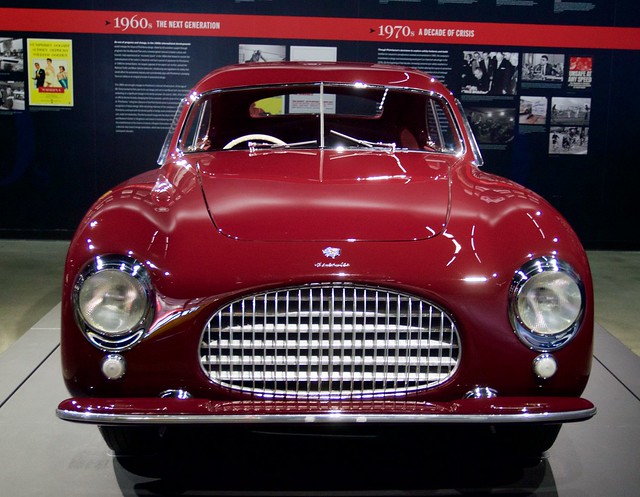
<point>546,303</point>
<point>549,303</point>
<point>112,301</point>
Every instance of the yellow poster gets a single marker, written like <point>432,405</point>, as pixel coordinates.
<point>51,72</point>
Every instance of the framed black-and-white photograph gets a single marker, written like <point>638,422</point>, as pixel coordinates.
<point>11,56</point>
<point>543,67</point>
<point>492,125</point>
<point>569,140</point>
<point>569,111</point>
<point>490,73</point>
<point>533,110</point>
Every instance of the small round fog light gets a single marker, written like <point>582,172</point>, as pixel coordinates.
<point>114,366</point>
<point>545,366</point>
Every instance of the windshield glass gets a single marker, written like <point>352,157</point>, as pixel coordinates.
<point>320,115</point>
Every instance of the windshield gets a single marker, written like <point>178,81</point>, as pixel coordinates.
<point>320,116</point>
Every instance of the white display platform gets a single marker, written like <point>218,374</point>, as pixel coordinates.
<point>43,456</point>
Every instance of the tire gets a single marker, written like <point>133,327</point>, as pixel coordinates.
<point>133,440</point>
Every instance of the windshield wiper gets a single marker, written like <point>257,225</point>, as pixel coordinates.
<point>366,143</point>
<point>254,146</point>
<point>294,144</point>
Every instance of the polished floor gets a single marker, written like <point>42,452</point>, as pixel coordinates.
<point>31,275</point>
<point>616,281</point>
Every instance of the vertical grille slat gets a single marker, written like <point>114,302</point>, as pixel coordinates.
<point>330,341</point>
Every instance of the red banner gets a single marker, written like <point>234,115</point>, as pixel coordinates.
<point>317,28</point>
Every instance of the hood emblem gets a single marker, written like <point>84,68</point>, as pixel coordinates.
<point>332,252</point>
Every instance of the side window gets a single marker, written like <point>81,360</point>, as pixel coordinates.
<point>195,136</point>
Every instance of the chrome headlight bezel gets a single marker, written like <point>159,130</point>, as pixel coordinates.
<point>134,273</point>
<point>524,281</point>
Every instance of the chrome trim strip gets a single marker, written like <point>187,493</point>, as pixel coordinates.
<point>164,151</point>
<point>347,418</point>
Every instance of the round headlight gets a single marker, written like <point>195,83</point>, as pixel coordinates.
<point>112,302</point>
<point>547,302</point>
<point>113,299</point>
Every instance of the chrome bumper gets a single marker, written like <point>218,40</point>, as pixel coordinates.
<point>144,411</point>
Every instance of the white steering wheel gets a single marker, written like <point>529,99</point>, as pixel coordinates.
<point>253,136</point>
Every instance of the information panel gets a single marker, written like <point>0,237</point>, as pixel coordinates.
<point>88,94</point>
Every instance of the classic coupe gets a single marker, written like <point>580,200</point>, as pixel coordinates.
<point>319,245</point>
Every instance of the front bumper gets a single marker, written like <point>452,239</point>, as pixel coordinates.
<point>163,411</point>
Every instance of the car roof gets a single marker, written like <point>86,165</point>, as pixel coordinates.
<point>267,73</point>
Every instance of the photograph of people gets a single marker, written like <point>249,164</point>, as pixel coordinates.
<point>542,67</point>
<point>6,96</point>
<point>569,140</point>
<point>492,125</point>
<point>51,72</point>
<point>50,77</point>
<point>38,76</point>
<point>505,74</point>
<point>63,77</point>
<point>570,111</point>
<point>475,77</point>
<point>12,95</point>
<point>492,73</point>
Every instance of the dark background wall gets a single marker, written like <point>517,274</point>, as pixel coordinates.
<point>56,160</point>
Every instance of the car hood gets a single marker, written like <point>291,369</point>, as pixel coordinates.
<point>327,195</point>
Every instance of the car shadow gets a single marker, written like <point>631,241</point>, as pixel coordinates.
<point>198,462</point>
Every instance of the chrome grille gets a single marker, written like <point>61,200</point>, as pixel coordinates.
<point>330,341</point>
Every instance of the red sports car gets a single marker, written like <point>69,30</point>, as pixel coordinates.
<point>319,244</point>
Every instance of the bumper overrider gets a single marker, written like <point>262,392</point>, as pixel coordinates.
<point>168,411</point>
